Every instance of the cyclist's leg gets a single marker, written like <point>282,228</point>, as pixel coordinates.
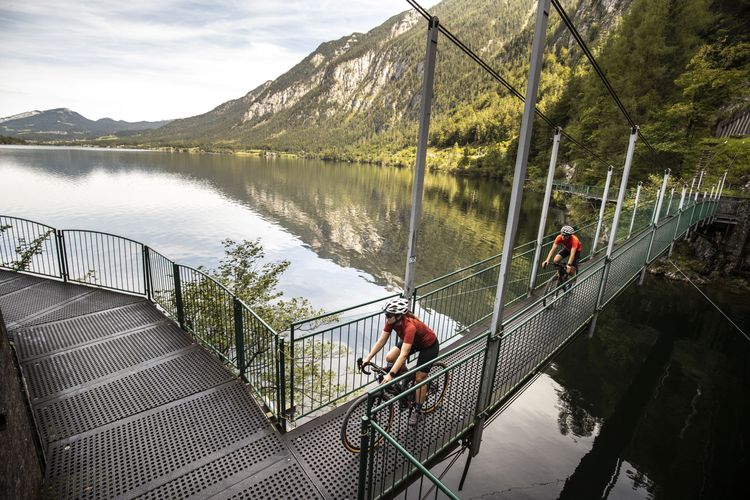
<point>426,355</point>
<point>393,354</point>
<point>574,271</point>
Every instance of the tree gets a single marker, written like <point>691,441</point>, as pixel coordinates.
<point>209,312</point>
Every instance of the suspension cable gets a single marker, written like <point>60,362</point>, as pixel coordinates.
<point>472,55</point>
<point>709,300</point>
<point>582,44</point>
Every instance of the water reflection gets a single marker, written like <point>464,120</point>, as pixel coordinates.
<point>355,216</point>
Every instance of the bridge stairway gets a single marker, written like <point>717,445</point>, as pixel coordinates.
<point>127,405</point>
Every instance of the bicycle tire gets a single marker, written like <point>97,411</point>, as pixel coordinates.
<point>551,291</point>
<point>351,428</point>
<point>437,388</point>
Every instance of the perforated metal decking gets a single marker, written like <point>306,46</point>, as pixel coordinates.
<point>128,406</point>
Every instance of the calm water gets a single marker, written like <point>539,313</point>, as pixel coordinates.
<point>343,227</point>
<point>652,406</point>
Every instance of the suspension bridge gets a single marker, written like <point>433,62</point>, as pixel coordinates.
<point>147,378</point>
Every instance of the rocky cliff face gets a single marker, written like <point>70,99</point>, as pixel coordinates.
<point>724,249</point>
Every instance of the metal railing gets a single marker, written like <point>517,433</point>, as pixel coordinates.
<point>393,453</point>
<point>200,304</point>
<point>452,305</point>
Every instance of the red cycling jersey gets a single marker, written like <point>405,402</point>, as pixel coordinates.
<point>412,331</point>
<point>573,242</point>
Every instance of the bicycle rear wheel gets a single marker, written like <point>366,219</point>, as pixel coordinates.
<point>351,428</point>
<point>436,388</point>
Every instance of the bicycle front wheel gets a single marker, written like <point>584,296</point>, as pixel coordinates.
<point>551,291</point>
<point>351,428</point>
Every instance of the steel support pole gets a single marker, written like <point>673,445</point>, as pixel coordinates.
<point>621,193</point>
<point>519,176</point>
<point>669,205</point>
<point>663,192</point>
<point>721,186</point>
<point>601,210</point>
<point>616,218</point>
<point>679,219</point>
<point>545,209</point>
<point>424,129</point>
<point>635,209</point>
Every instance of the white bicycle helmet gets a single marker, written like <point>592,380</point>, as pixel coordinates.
<point>398,305</point>
<point>567,230</point>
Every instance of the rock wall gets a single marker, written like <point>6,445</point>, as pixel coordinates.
<point>725,248</point>
<point>21,470</point>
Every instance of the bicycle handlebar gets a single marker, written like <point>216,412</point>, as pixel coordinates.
<point>363,367</point>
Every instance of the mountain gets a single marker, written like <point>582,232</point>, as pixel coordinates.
<point>63,124</point>
<point>366,87</point>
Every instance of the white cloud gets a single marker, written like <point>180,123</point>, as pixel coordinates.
<point>156,60</point>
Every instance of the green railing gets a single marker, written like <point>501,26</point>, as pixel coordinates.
<point>452,305</point>
<point>394,453</point>
<point>201,305</point>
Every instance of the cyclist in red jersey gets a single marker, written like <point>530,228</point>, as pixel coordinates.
<point>571,249</point>
<point>413,335</point>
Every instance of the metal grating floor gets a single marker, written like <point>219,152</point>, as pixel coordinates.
<point>127,405</point>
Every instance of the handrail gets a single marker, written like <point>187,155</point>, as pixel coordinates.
<point>542,330</point>
<point>131,267</point>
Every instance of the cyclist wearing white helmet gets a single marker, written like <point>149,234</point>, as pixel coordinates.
<point>413,335</point>
<point>571,250</point>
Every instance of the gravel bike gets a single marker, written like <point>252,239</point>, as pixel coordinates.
<point>557,285</point>
<point>352,427</point>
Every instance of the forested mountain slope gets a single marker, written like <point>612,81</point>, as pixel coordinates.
<point>678,65</point>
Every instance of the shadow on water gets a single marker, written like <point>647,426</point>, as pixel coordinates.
<point>654,405</point>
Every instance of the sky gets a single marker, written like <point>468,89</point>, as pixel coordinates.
<point>156,60</point>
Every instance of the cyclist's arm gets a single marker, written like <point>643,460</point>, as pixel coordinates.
<point>377,347</point>
<point>551,251</point>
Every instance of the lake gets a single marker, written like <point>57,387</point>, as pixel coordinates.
<point>653,405</point>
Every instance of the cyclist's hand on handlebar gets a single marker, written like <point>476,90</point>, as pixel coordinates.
<point>545,264</point>
<point>359,364</point>
<point>387,378</point>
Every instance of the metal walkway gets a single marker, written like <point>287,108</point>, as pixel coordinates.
<point>128,406</point>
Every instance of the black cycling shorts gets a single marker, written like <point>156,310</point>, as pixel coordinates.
<point>565,253</point>
<point>426,354</point>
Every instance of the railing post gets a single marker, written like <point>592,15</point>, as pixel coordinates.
<point>692,185</point>
<point>692,215</point>
<point>669,205</point>
<point>364,455</point>
<point>679,219</point>
<point>601,210</point>
<point>635,209</point>
<point>147,274</point>
<point>239,339</point>
<point>721,186</point>
<point>698,187</point>
<point>178,295</point>
<point>281,368</point>
<point>292,366</point>
<point>616,218</point>
<point>514,209</point>
<point>654,217</point>
<point>424,128</point>
<point>662,193</point>
<point>62,255</point>
<point>545,208</point>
